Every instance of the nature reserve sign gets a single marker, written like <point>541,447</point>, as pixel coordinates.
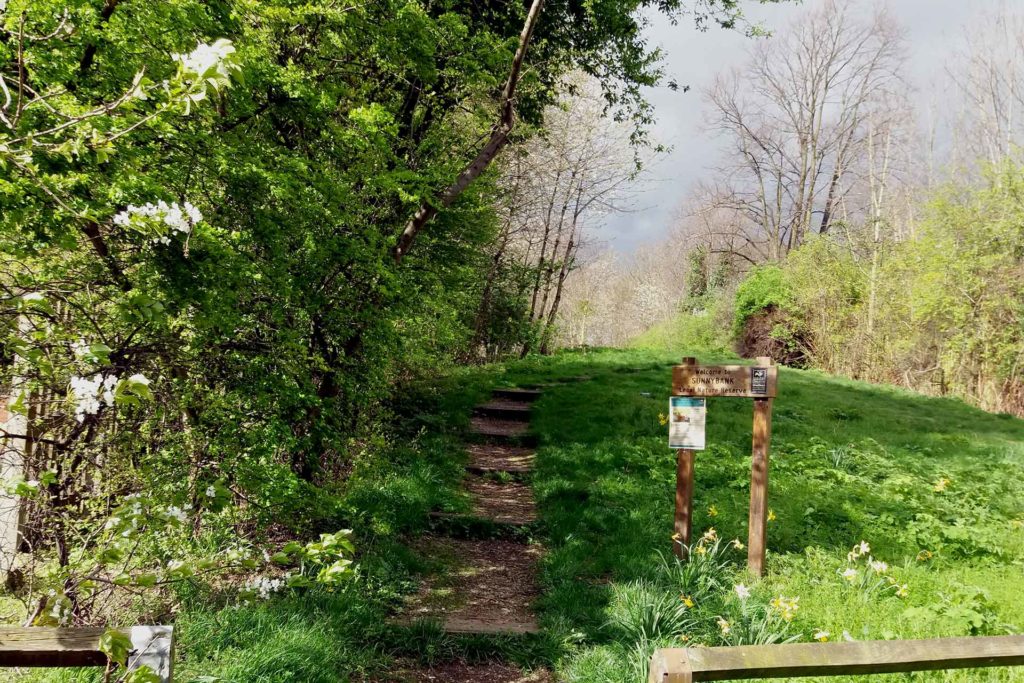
<point>743,381</point>
<point>691,384</point>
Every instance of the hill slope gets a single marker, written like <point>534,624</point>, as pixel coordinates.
<point>931,485</point>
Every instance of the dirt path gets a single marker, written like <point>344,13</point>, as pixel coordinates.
<point>485,586</point>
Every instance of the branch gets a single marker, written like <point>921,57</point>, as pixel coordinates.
<point>497,140</point>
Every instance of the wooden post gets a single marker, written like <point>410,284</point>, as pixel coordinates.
<point>683,526</point>
<point>757,533</point>
<point>684,502</point>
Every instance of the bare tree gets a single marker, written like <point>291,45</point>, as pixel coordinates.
<point>795,116</point>
<point>989,74</point>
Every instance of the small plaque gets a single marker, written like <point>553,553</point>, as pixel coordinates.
<point>758,380</point>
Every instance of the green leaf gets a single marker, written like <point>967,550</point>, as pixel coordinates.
<point>115,645</point>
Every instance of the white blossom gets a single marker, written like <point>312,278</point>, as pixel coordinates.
<point>211,491</point>
<point>175,512</point>
<point>263,586</point>
<point>742,591</point>
<point>91,393</point>
<point>206,57</point>
<point>175,216</point>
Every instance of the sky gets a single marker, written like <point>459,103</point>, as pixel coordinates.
<point>933,28</point>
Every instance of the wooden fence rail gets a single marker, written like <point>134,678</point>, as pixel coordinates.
<point>152,646</point>
<point>833,659</point>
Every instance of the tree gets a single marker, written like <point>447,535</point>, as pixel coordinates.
<point>796,120</point>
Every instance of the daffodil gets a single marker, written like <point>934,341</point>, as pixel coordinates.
<point>663,419</point>
<point>903,591</point>
<point>710,535</point>
<point>877,566</point>
<point>742,592</point>
<point>787,607</point>
<point>687,601</point>
<point>701,550</point>
<point>724,626</point>
<point>850,574</point>
<point>771,515</point>
<point>712,511</point>
<point>822,636</point>
<point>736,544</point>
<point>940,485</point>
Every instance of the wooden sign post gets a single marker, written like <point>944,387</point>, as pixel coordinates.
<point>758,382</point>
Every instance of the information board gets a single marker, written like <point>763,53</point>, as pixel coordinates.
<point>687,418</point>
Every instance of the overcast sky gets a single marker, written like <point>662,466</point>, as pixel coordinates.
<point>933,30</point>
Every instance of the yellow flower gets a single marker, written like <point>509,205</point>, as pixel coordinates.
<point>724,625</point>
<point>701,550</point>
<point>687,601</point>
<point>663,419</point>
<point>684,638</point>
<point>941,485</point>
<point>736,544</point>
<point>771,515</point>
<point>677,537</point>
<point>710,535</point>
<point>712,511</point>
<point>821,636</point>
<point>850,575</point>
<point>787,607</point>
<point>1017,524</point>
<point>903,591</point>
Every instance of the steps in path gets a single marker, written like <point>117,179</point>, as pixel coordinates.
<point>485,458</point>
<point>487,586</point>
<point>460,672</point>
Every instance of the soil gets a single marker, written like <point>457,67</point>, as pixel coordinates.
<point>502,502</point>
<point>487,587</point>
<point>458,672</point>
<point>499,458</point>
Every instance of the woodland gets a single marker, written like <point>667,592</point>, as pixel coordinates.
<point>259,259</point>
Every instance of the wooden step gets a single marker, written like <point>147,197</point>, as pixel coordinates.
<point>504,431</point>
<point>526,395</point>
<point>496,457</point>
<point>488,627</point>
<point>505,409</point>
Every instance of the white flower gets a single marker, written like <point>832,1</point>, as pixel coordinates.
<point>91,393</point>
<point>850,575</point>
<point>863,548</point>
<point>264,586</point>
<point>878,566</point>
<point>822,636</point>
<point>211,491</point>
<point>742,591</point>
<point>175,512</point>
<point>205,57</point>
<point>33,296</point>
<point>173,215</point>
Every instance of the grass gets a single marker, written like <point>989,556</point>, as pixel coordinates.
<point>850,462</point>
<point>932,485</point>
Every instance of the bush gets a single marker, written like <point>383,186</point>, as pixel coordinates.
<point>765,289</point>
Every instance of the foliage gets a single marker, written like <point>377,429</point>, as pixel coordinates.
<point>764,289</point>
<point>198,202</point>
